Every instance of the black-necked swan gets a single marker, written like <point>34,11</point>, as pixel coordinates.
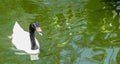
<point>26,41</point>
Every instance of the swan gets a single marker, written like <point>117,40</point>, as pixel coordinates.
<point>26,41</point>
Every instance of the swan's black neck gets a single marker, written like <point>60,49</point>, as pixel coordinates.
<point>32,29</point>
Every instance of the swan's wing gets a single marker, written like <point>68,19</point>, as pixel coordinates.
<point>17,28</point>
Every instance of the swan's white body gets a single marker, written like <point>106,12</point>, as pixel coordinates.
<point>21,40</point>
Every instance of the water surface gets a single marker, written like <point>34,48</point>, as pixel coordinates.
<point>74,31</point>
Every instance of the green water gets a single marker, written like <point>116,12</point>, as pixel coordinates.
<point>74,31</point>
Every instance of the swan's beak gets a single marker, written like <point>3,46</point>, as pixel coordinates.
<point>39,30</point>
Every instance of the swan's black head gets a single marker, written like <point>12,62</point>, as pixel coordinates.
<point>34,26</point>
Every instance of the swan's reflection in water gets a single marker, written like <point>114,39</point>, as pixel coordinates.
<point>32,56</point>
